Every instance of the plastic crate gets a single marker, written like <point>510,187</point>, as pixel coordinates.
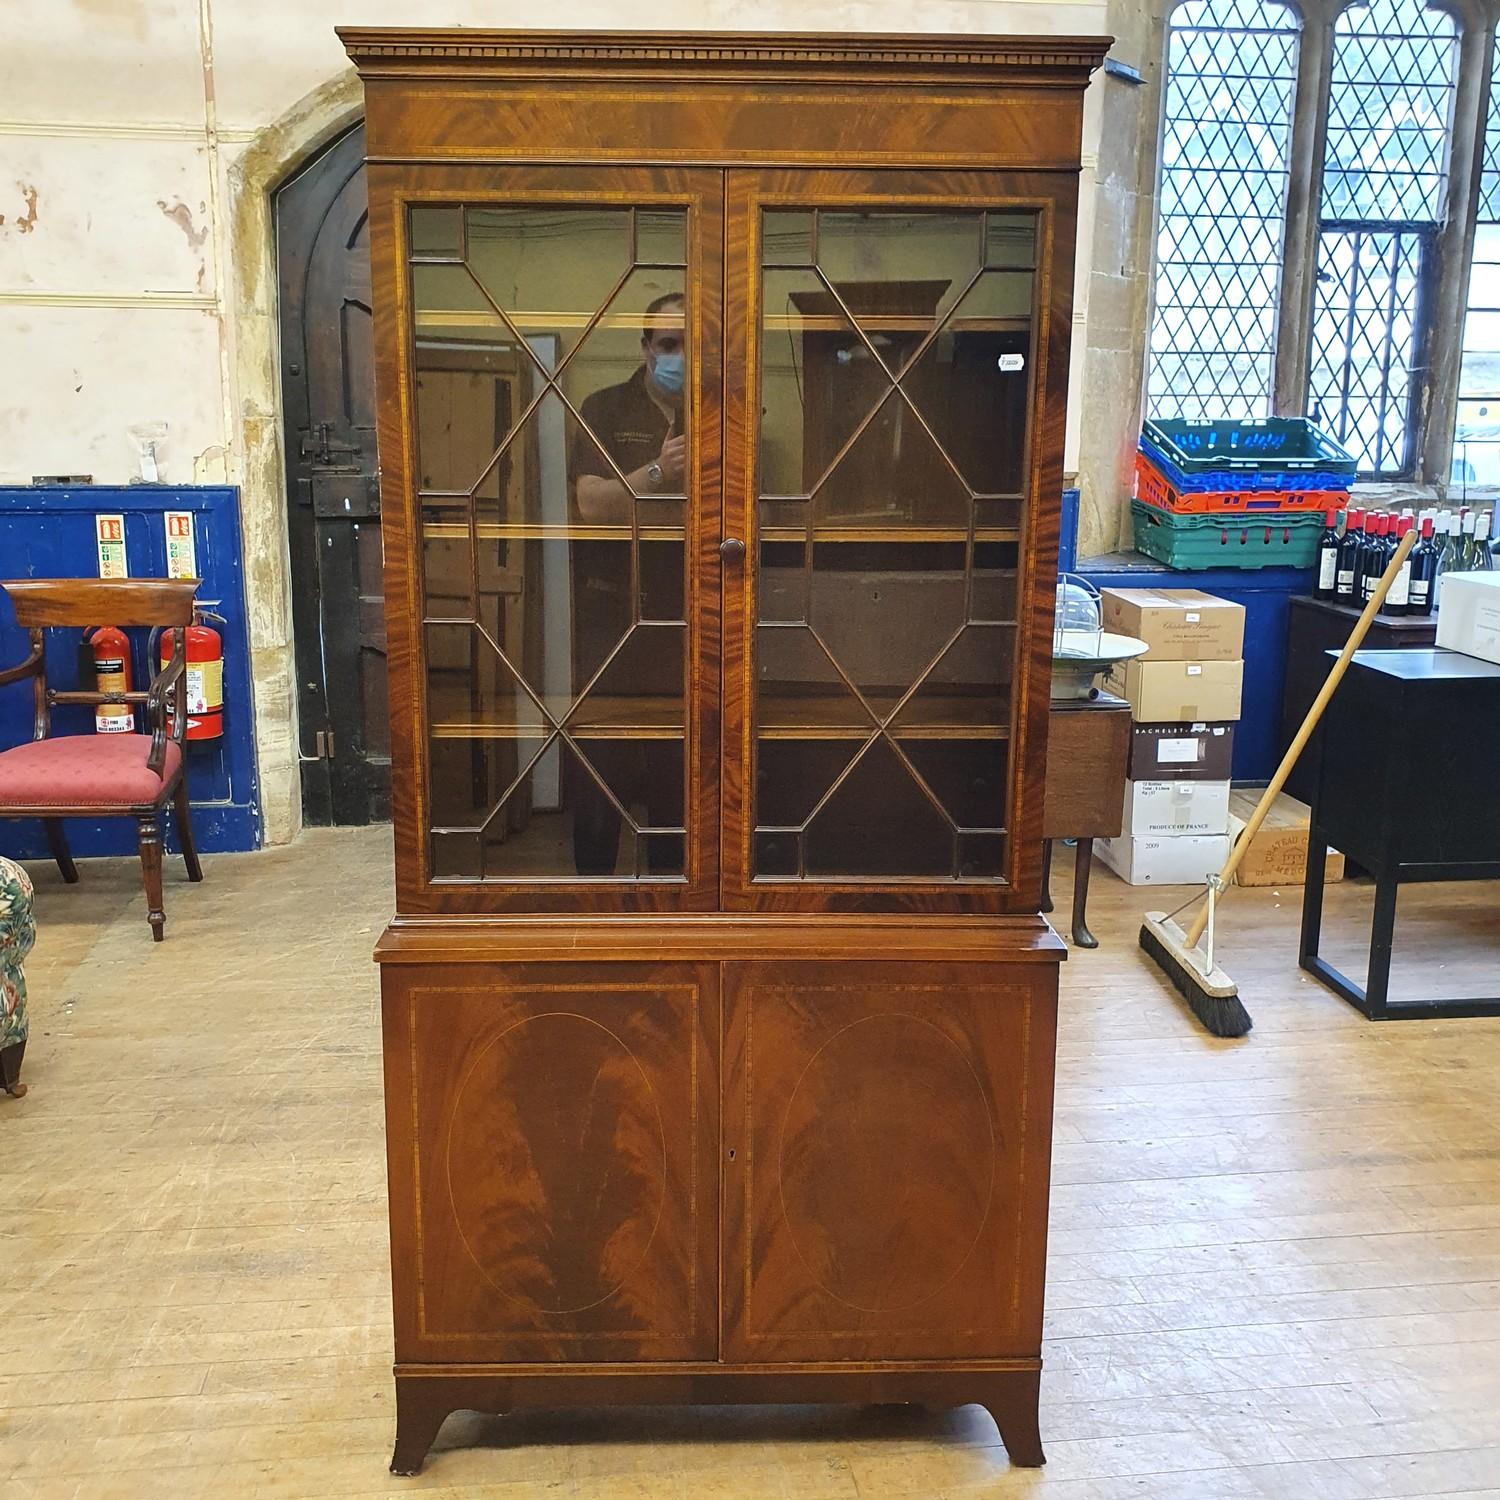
<point>1261,481</point>
<point>1189,542</point>
<point>1155,488</point>
<point>1265,453</point>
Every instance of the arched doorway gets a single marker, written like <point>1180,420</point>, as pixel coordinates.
<point>333,495</point>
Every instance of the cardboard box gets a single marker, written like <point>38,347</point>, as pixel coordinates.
<point>1177,624</point>
<point>1186,860</point>
<point>1182,692</point>
<point>1181,752</point>
<point>1171,808</point>
<point>1278,852</point>
<point>1469,617</point>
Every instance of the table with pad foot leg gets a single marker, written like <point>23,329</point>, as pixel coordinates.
<point>1088,744</point>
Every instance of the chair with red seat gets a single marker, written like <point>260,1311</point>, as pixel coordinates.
<point>104,775</point>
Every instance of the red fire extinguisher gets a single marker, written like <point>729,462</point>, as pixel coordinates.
<point>111,652</point>
<point>203,677</point>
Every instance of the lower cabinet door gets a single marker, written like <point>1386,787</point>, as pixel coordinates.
<point>887,1141</point>
<point>552,1133</point>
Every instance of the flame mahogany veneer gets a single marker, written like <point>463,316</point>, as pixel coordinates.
<point>720,1138</point>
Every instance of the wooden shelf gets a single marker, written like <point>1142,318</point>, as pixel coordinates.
<point>892,323</point>
<point>891,536</point>
<point>815,717</point>
<point>912,536</point>
<point>926,717</point>
<point>612,718</point>
<point>909,536</point>
<point>539,320</point>
<point>526,531</point>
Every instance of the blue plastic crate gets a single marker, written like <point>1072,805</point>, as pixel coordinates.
<point>1258,480</point>
<point>1262,453</point>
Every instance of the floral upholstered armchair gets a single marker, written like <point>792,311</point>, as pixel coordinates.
<point>17,934</point>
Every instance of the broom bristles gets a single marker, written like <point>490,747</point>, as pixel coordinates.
<point>1220,1015</point>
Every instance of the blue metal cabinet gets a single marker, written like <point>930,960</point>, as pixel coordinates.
<point>49,533</point>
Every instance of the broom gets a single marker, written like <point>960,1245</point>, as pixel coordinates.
<point>1211,995</point>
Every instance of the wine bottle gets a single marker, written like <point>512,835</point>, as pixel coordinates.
<point>1374,556</point>
<point>1424,566</point>
<point>1399,594</point>
<point>1449,555</point>
<point>1447,541</point>
<point>1484,560</point>
<point>1466,547</point>
<point>1328,556</point>
<point>1348,564</point>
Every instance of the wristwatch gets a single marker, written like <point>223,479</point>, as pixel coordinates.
<point>654,475</point>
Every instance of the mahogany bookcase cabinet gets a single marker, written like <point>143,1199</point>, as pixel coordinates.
<point>721,384</point>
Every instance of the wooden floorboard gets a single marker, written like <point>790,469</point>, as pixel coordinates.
<point>1275,1265</point>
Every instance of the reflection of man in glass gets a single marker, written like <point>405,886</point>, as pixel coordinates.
<point>639,422</point>
<point>640,426</point>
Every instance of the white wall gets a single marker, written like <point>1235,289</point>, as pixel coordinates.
<point>136,285</point>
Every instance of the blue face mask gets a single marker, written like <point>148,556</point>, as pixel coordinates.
<point>668,372</point>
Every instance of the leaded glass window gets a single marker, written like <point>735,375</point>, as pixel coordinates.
<point>1384,181</point>
<point>1226,129</point>
<point>1476,442</point>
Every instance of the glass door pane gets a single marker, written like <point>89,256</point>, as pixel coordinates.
<point>887,501</point>
<point>553,417</point>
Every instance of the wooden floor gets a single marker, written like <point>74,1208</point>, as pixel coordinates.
<point>1275,1263</point>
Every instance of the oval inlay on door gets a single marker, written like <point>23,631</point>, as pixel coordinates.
<point>887,1163</point>
<point>556,1163</point>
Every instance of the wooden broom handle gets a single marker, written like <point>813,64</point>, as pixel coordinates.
<point>1299,741</point>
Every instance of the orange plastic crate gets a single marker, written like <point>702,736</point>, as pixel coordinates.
<point>1152,488</point>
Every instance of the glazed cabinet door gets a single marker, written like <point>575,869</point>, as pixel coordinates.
<point>887,1133</point>
<point>550,479</point>
<point>552,1133</point>
<point>896,382</point>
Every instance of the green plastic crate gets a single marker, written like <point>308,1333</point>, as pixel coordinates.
<point>1189,542</point>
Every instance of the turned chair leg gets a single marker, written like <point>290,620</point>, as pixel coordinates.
<point>148,835</point>
<point>185,830</point>
<point>59,842</point>
<point>10,1069</point>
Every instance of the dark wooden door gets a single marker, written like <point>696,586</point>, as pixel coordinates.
<point>553,1132</point>
<point>887,1145</point>
<point>328,391</point>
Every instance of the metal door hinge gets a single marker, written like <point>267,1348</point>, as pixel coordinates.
<point>322,747</point>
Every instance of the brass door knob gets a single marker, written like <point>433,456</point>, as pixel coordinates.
<point>731,549</point>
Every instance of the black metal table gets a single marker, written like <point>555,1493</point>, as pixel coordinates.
<point>1408,786</point>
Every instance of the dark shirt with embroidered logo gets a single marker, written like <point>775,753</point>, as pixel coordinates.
<point>630,425</point>
<point>631,428</point>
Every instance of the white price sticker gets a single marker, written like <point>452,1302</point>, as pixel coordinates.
<point>109,535</point>
<point>1012,362</point>
<point>1194,670</point>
